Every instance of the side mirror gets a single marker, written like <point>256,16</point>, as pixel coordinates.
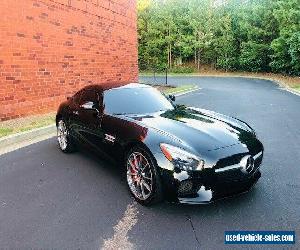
<point>92,107</point>
<point>96,106</point>
<point>172,98</point>
<point>88,105</point>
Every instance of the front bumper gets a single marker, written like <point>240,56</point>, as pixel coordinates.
<point>221,190</point>
<point>208,185</point>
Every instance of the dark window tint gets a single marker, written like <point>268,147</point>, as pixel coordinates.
<point>88,96</point>
<point>76,97</point>
<point>135,101</point>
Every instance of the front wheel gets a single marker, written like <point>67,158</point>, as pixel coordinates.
<point>142,177</point>
<point>64,141</point>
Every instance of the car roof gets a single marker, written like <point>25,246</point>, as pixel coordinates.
<point>131,86</point>
<point>106,87</point>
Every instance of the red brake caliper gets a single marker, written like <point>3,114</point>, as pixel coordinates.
<point>133,171</point>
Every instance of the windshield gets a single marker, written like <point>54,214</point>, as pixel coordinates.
<point>135,101</point>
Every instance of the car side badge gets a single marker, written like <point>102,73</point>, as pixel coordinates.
<point>109,138</point>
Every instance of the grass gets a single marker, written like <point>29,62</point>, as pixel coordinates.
<point>179,89</point>
<point>172,90</point>
<point>38,124</point>
<point>5,131</point>
<point>297,87</point>
<point>149,73</point>
<point>26,123</point>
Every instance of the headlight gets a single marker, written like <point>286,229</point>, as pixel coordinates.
<point>182,159</point>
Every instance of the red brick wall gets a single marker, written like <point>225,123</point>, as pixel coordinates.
<point>51,48</point>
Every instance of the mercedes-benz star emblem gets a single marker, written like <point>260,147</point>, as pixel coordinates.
<point>247,164</point>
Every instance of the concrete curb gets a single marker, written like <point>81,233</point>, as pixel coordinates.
<point>284,87</point>
<point>23,139</point>
<point>291,91</point>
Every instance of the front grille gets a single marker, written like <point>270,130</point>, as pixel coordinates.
<point>230,160</point>
<point>234,162</point>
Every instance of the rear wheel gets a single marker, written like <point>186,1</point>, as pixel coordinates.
<point>142,177</point>
<point>64,141</point>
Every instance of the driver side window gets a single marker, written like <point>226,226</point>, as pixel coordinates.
<point>77,96</point>
<point>88,98</point>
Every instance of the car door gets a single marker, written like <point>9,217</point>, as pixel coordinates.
<point>73,115</point>
<point>89,118</point>
<point>114,129</point>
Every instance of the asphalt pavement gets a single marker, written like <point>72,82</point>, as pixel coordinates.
<point>53,200</point>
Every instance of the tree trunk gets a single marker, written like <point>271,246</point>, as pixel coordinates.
<point>170,49</point>
<point>170,55</point>
<point>198,61</point>
<point>226,56</point>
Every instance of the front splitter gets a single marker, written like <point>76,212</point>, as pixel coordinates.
<point>220,191</point>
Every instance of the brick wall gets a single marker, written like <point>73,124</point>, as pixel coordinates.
<point>49,49</point>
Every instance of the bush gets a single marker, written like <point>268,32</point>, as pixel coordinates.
<point>230,63</point>
<point>294,51</point>
<point>254,57</point>
<point>281,61</point>
<point>182,70</point>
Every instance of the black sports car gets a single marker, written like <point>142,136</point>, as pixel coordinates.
<point>168,151</point>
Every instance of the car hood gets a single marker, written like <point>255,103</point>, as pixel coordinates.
<point>200,129</point>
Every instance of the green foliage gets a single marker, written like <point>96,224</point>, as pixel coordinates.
<point>285,47</point>
<point>182,70</point>
<point>5,131</point>
<point>281,60</point>
<point>251,35</point>
<point>294,51</point>
<point>254,57</point>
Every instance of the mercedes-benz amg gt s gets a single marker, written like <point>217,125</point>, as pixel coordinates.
<point>168,151</point>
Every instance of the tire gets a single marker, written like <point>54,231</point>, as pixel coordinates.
<point>143,179</point>
<point>65,142</point>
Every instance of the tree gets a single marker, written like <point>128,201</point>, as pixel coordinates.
<point>251,35</point>
<point>285,57</point>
